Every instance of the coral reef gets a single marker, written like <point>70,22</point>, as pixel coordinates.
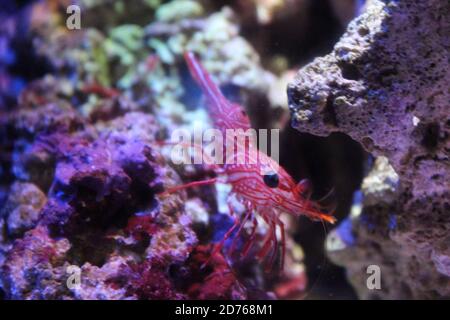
<point>385,85</point>
<point>103,185</point>
<point>81,164</point>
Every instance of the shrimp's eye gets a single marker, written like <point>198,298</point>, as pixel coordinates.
<point>271,180</point>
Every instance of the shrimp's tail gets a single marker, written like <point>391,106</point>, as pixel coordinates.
<point>203,79</point>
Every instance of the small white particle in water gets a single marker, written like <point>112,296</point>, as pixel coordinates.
<point>415,121</point>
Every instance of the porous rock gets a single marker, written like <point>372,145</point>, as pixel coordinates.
<point>385,84</point>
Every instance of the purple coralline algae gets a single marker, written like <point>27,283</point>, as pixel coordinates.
<point>385,85</point>
<point>97,210</point>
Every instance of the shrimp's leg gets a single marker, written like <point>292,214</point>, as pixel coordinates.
<point>252,238</point>
<point>283,241</point>
<point>270,242</point>
<point>274,242</point>
<point>267,244</point>
<point>249,210</point>
<point>227,235</point>
<point>277,222</point>
<point>230,231</point>
<point>189,185</point>
<point>236,237</point>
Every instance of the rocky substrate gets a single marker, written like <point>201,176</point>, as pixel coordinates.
<point>385,85</point>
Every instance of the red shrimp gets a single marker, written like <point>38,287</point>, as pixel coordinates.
<point>259,182</point>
